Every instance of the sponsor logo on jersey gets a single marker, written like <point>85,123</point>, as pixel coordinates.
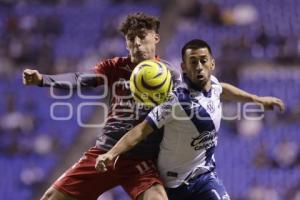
<point>210,106</point>
<point>205,140</point>
<point>124,83</point>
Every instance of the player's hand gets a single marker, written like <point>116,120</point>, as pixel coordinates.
<point>103,161</point>
<point>270,103</point>
<point>32,77</point>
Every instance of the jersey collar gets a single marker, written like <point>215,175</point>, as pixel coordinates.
<point>196,87</point>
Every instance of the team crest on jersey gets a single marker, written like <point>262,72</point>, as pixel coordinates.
<point>123,82</point>
<point>210,106</point>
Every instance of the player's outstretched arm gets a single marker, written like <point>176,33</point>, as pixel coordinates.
<point>233,93</point>
<point>127,142</point>
<point>64,81</point>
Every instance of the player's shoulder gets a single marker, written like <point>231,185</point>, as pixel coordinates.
<point>120,61</point>
<point>110,66</point>
<point>115,61</point>
<point>175,71</point>
<point>180,87</point>
<point>181,92</point>
<point>214,80</point>
<point>216,85</point>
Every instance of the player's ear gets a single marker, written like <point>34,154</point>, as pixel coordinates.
<point>183,67</point>
<point>213,64</point>
<point>157,38</point>
<point>126,42</point>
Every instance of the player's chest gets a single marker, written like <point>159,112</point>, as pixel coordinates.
<point>200,103</point>
<point>120,86</point>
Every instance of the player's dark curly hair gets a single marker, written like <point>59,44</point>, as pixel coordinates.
<point>139,20</point>
<point>195,44</point>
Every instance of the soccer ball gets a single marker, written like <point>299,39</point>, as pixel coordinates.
<point>151,83</point>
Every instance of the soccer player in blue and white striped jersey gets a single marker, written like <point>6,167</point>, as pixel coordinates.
<point>190,121</point>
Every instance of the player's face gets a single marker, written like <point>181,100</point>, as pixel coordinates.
<point>141,44</point>
<point>198,65</point>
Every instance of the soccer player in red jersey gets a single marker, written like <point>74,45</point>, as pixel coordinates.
<point>135,171</point>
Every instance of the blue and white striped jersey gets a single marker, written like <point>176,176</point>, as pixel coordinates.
<point>190,119</point>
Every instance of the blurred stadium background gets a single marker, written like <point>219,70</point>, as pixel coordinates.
<point>257,47</point>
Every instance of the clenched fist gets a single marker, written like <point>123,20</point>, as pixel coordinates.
<point>103,161</point>
<point>32,77</point>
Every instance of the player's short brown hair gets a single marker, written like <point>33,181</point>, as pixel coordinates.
<point>138,21</point>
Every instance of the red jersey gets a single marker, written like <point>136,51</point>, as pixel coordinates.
<point>124,114</point>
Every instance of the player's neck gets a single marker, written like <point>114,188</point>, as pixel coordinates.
<point>207,86</point>
<point>135,62</point>
<point>197,86</point>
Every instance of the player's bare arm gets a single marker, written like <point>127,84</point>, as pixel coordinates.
<point>127,142</point>
<point>233,93</point>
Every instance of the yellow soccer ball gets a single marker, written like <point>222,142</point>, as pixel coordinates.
<point>151,83</point>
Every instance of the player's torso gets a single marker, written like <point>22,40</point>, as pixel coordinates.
<point>188,144</point>
<point>124,114</point>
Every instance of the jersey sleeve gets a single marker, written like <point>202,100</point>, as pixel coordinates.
<point>161,114</point>
<point>69,80</point>
<point>104,71</point>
